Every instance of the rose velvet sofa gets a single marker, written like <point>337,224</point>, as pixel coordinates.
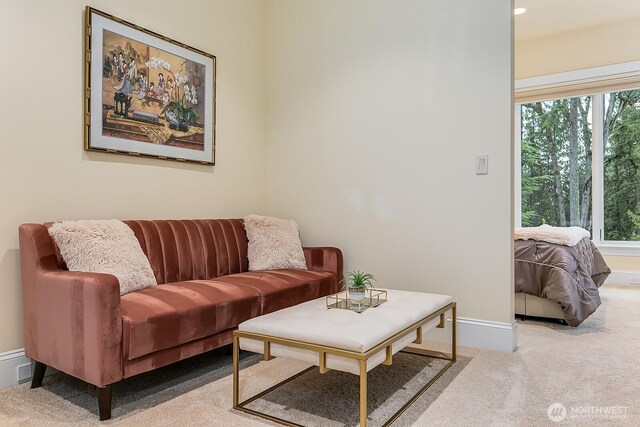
<point>78,323</point>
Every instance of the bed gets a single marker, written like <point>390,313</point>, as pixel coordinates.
<point>557,278</point>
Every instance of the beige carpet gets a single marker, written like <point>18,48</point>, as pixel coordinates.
<point>331,400</point>
<point>590,368</point>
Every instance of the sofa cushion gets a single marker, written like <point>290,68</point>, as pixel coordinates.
<point>274,244</point>
<point>168,315</point>
<point>104,246</point>
<point>283,288</point>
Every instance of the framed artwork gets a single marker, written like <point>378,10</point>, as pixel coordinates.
<point>146,94</point>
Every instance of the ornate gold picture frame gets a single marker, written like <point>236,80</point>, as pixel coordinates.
<point>146,94</point>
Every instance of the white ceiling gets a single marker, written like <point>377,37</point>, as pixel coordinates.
<point>546,17</point>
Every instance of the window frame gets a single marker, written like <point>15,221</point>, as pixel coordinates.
<point>559,83</point>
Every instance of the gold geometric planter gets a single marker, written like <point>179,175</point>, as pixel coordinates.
<point>342,300</point>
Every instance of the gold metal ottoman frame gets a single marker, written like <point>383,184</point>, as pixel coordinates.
<point>360,357</point>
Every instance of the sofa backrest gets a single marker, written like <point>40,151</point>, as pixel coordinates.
<point>198,249</point>
<point>193,249</point>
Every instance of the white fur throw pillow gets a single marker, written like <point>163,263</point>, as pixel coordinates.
<point>274,244</point>
<point>104,246</point>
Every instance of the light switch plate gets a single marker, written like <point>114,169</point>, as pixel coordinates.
<point>482,164</point>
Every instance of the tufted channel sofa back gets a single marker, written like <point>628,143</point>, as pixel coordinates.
<point>180,250</point>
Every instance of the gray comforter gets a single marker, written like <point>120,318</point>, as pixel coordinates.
<point>568,275</point>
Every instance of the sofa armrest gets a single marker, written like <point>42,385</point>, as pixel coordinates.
<point>72,320</point>
<point>325,259</point>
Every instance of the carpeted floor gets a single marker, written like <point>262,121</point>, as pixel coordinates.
<point>589,368</point>
<point>332,399</point>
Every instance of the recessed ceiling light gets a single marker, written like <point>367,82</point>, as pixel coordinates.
<point>519,10</point>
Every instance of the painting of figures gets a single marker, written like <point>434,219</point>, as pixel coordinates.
<point>156,97</point>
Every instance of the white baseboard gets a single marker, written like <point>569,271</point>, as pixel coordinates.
<point>9,363</point>
<point>479,334</point>
<point>623,277</point>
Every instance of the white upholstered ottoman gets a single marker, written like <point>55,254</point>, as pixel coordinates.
<point>344,340</point>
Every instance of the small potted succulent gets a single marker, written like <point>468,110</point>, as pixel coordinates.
<point>356,284</point>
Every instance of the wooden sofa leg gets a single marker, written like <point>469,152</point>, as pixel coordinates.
<point>38,374</point>
<point>104,402</point>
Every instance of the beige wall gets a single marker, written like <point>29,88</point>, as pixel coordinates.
<point>44,172</point>
<point>371,147</point>
<point>623,262</point>
<point>366,147</point>
<point>576,50</point>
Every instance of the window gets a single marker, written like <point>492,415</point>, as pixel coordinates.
<point>579,164</point>
<point>621,140</point>
<point>556,162</point>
